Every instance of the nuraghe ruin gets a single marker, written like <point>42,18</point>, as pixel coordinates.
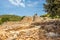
<point>31,28</point>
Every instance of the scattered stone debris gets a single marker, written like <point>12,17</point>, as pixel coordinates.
<point>31,28</point>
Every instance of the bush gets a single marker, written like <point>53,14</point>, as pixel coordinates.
<point>5,19</point>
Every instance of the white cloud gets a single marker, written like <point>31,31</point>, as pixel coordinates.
<point>18,2</point>
<point>32,4</point>
<point>24,3</point>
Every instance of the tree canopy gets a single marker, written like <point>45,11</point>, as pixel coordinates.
<point>52,7</point>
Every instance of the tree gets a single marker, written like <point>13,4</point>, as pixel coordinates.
<point>5,19</point>
<point>22,17</point>
<point>52,7</point>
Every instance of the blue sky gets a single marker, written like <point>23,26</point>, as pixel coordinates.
<point>21,7</point>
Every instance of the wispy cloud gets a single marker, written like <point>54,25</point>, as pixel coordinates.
<point>24,3</point>
<point>18,2</point>
<point>32,4</point>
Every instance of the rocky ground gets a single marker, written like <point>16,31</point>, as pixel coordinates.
<point>31,28</point>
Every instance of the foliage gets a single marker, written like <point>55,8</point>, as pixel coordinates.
<point>45,15</point>
<point>48,15</point>
<point>22,17</point>
<point>52,7</point>
<point>5,18</point>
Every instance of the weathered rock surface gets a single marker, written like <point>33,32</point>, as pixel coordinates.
<point>31,28</point>
<point>25,34</point>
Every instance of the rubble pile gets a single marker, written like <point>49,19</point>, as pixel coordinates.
<point>31,28</point>
<point>25,34</point>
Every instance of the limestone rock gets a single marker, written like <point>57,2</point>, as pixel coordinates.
<point>31,28</point>
<point>25,34</point>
